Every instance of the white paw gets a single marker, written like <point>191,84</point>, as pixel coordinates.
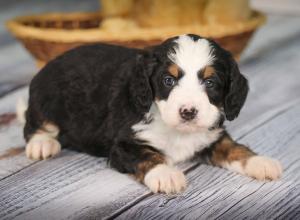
<point>42,146</point>
<point>263,168</point>
<point>165,179</point>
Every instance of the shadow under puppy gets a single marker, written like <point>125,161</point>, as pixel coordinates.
<point>145,110</point>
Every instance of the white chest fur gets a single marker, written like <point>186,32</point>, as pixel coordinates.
<point>176,145</point>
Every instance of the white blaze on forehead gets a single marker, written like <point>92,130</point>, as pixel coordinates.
<point>190,55</point>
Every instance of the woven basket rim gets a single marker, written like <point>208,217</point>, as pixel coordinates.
<point>97,34</point>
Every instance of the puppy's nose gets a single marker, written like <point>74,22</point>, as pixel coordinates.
<point>188,113</point>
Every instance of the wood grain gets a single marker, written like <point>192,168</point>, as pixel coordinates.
<point>64,187</point>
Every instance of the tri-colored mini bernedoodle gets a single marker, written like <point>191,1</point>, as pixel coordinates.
<point>144,109</point>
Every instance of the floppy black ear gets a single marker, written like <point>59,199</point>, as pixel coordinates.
<point>140,91</point>
<point>237,93</point>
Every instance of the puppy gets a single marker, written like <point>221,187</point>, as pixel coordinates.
<point>145,110</point>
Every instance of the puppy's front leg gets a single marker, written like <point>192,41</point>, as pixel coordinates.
<point>236,157</point>
<point>148,166</point>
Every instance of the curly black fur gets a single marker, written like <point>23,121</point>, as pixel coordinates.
<point>94,94</point>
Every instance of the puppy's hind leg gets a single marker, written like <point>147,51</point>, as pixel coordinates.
<point>43,143</point>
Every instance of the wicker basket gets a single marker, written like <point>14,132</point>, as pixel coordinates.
<point>48,35</point>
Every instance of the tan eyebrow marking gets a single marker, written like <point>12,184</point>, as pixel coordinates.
<point>208,72</point>
<point>174,70</point>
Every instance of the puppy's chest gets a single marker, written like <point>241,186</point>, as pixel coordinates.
<point>175,145</point>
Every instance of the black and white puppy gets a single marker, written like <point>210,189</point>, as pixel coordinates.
<point>145,110</point>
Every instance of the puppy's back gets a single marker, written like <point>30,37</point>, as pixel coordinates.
<point>73,90</point>
<point>93,60</point>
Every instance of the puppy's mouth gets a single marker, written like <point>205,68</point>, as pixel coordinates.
<point>189,127</point>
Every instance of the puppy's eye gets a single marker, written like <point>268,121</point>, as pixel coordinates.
<point>169,81</point>
<point>209,83</point>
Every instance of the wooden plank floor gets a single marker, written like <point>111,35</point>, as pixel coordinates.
<point>78,186</point>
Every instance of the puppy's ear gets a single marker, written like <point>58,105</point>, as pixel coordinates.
<point>237,90</point>
<point>140,91</point>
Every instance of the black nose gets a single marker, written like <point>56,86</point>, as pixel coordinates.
<point>188,113</point>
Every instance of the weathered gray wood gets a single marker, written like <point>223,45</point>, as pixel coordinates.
<point>11,137</point>
<point>11,134</point>
<point>215,193</point>
<point>8,103</point>
<point>64,187</point>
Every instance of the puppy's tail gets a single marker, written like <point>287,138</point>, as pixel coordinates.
<point>21,108</point>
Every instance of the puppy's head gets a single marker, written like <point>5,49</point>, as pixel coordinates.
<point>193,82</point>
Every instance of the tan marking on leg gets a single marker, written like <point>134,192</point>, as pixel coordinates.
<point>157,175</point>
<point>43,143</point>
<point>226,150</point>
<point>241,159</point>
<point>49,128</point>
<point>153,158</point>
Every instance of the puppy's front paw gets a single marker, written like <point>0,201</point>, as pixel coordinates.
<point>165,179</point>
<point>263,168</point>
<point>41,146</point>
